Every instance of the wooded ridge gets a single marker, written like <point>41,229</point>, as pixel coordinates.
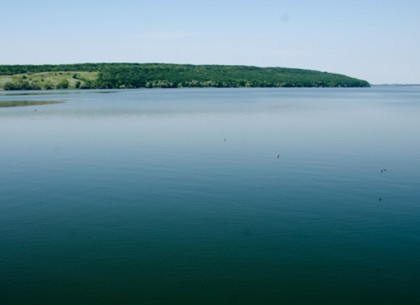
<point>156,75</point>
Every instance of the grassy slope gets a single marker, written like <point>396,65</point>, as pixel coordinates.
<point>52,78</point>
<point>4,79</point>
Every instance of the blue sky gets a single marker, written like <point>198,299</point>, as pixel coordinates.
<point>375,40</point>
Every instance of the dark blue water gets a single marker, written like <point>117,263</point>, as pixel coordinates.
<point>211,196</point>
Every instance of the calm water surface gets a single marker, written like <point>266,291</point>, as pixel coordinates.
<point>179,197</point>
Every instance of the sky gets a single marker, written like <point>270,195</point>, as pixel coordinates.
<point>378,41</point>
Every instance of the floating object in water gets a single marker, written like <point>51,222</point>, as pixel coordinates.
<point>380,199</point>
<point>383,170</point>
<point>224,139</point>
<point>278,156</point>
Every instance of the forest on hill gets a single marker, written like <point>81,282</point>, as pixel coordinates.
<point>128,75</point>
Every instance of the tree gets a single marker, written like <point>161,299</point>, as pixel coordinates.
<point>10,86</point>
<point>64,84</point>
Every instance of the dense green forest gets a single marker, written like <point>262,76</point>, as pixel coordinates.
<point>126,75</point>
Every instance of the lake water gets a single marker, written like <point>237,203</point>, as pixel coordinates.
<point>211,196</point>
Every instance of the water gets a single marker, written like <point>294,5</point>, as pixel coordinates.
<point>178,197</point>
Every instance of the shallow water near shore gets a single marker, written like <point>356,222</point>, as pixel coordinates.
<point>211,196</point>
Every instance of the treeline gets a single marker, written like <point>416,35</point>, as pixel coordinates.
<point>32,85</point>
<point>22,69</point>
<point>48,85</point>
<point>173,76</point>
<point>122,75</point>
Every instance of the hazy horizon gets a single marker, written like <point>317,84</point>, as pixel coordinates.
<point>374,41</point>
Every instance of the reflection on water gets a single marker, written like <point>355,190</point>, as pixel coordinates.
<point>212,196</point>
<point>20,103</point>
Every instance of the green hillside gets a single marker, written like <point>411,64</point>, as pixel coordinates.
<point>126,75</point>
